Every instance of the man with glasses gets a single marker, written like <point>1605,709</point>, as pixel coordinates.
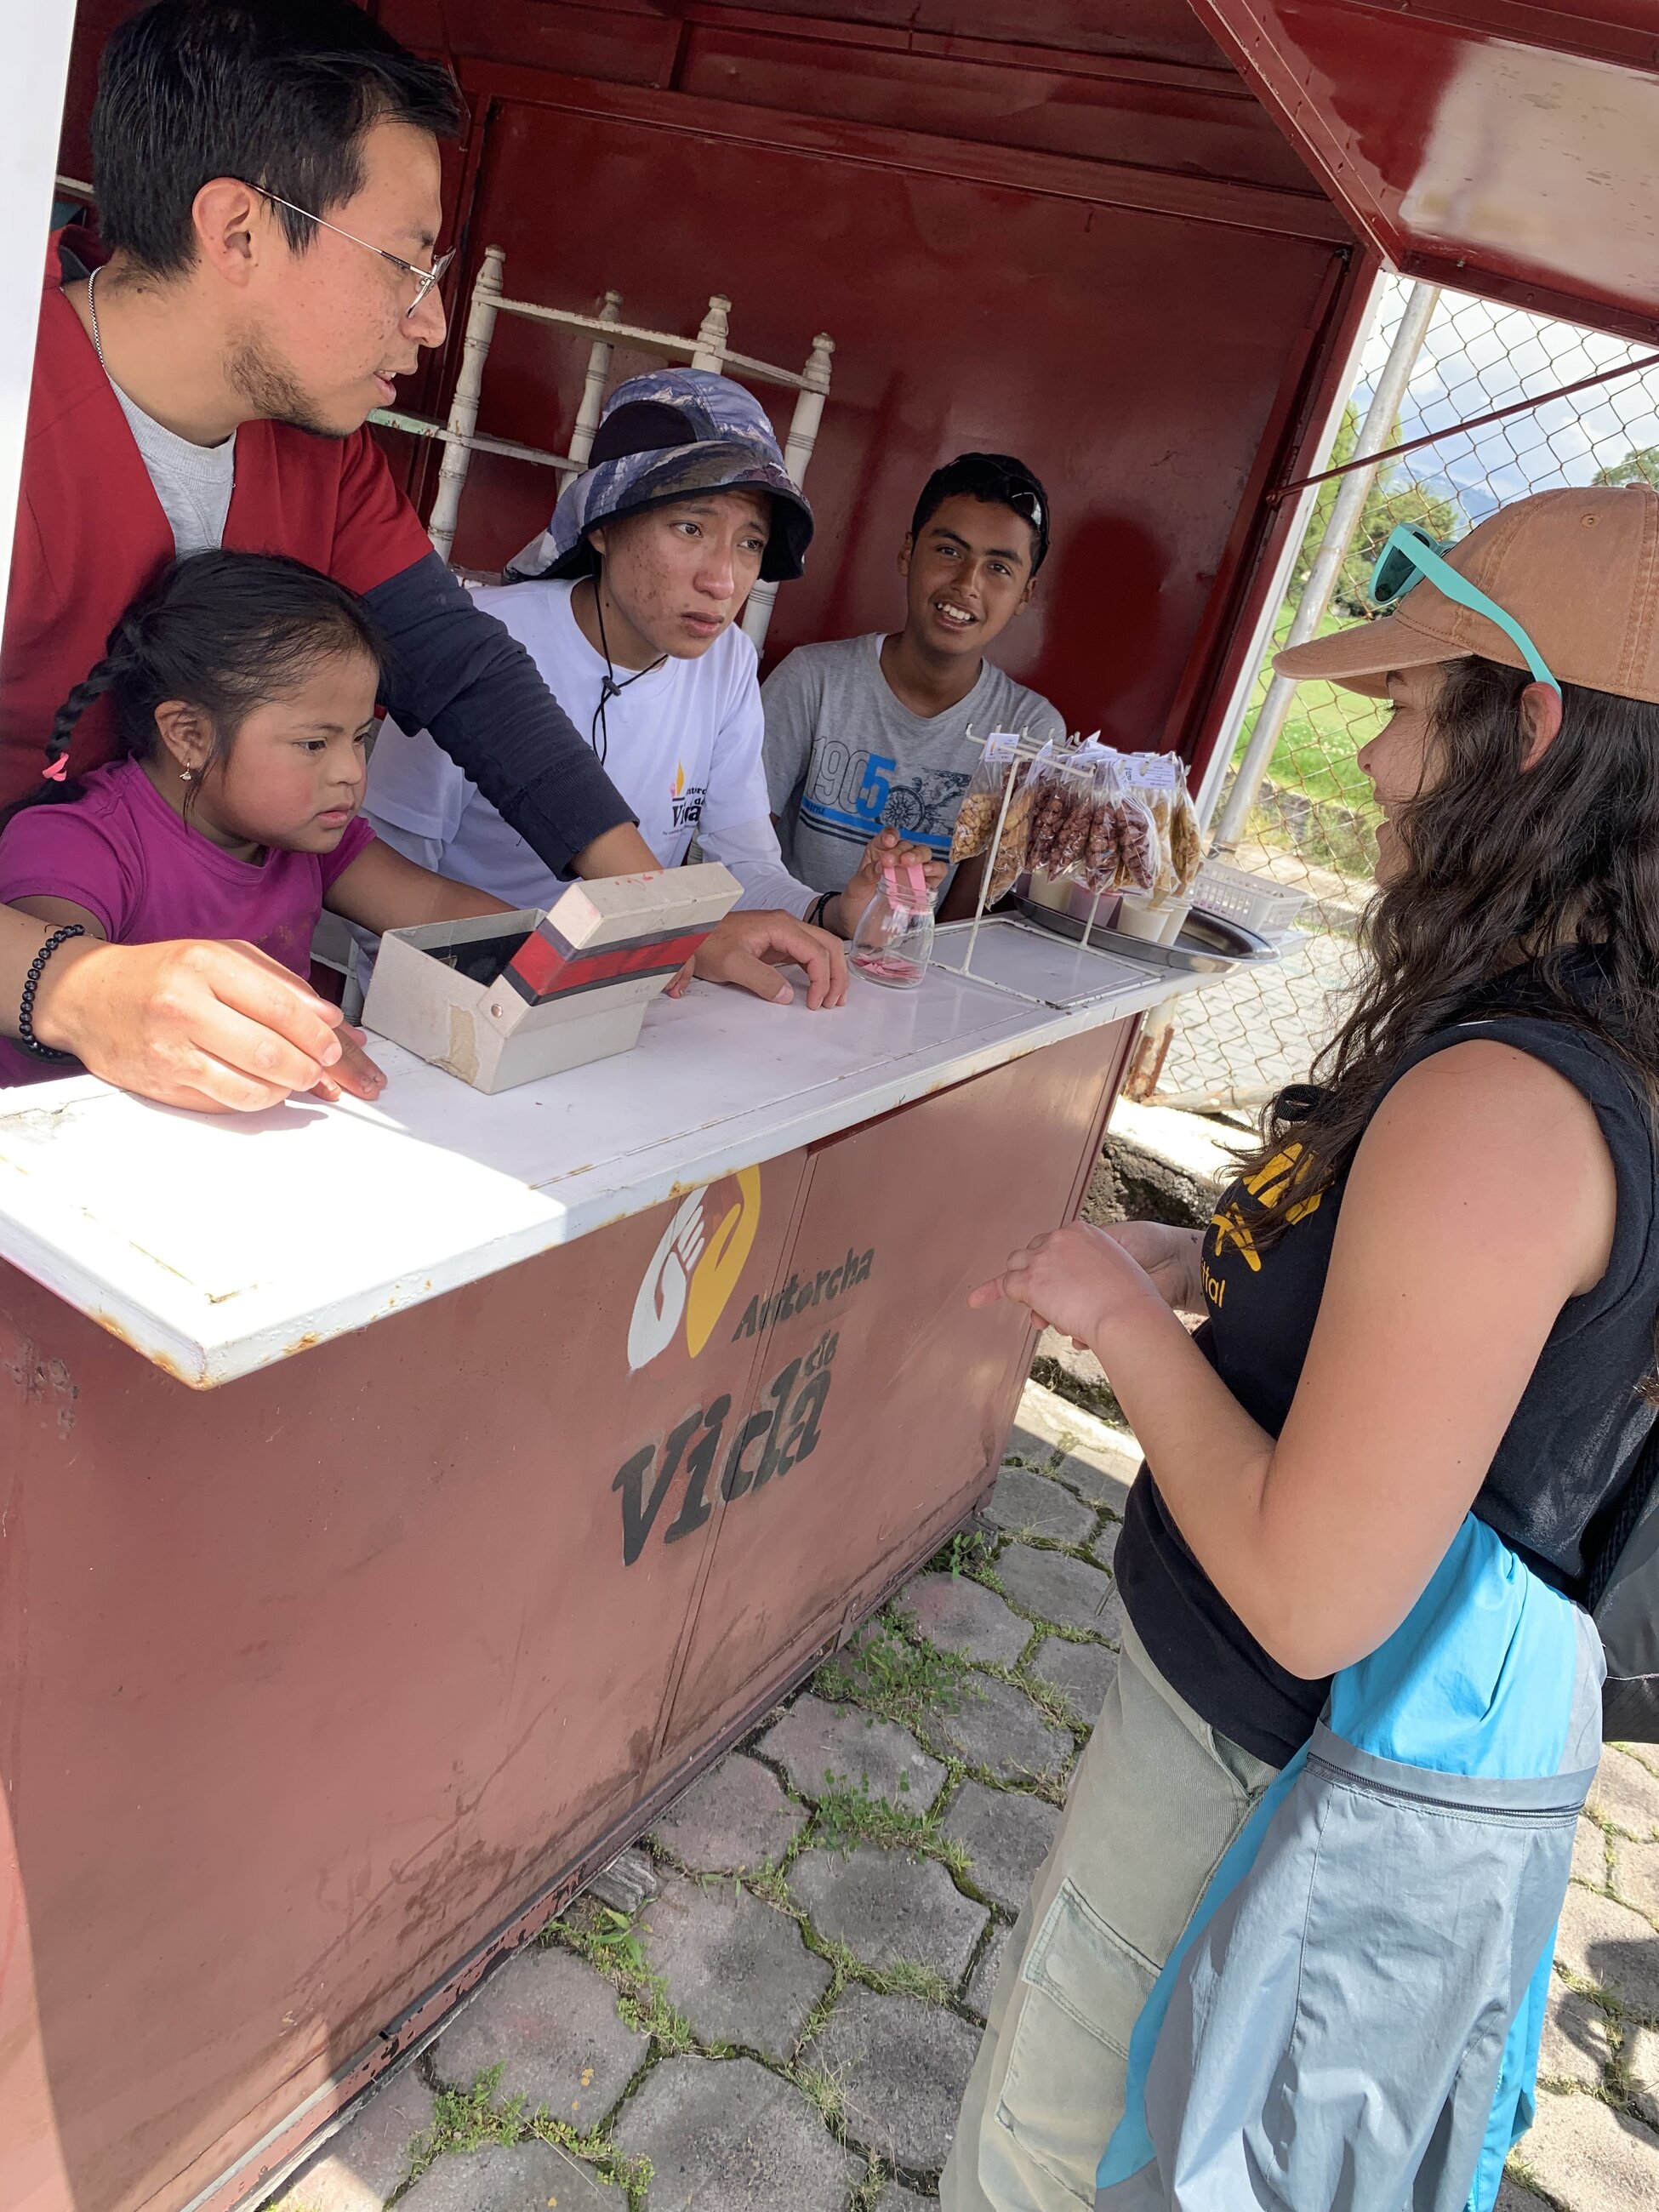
<point>268,180</point>
<point>869,733</point>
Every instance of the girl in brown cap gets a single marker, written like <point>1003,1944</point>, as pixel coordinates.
<point>1293,1941</point>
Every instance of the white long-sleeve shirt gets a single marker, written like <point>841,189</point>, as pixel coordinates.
<point>682,745</point>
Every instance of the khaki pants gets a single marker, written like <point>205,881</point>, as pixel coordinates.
<point>1157,1799</point>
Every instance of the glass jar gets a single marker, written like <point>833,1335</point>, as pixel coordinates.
<point>893,943</point>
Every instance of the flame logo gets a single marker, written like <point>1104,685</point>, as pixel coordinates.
<point>696,1267</point>
<point>679,779</point>
<point>715,1276</point>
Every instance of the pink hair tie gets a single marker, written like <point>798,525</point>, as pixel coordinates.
<point>59,772</point>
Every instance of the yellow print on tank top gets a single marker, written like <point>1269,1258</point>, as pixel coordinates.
<point>1267,1186</point>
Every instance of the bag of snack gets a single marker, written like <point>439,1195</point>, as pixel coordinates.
<point>1096,863</point>
<point>1050,802</point>
<point>1186,838</point>
<point>1138,847</point>
<point>1009,861</point>
<point>981,802</point>
<point>1151,780</point>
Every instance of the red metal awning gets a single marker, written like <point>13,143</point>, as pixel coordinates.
<point>1500,146</point>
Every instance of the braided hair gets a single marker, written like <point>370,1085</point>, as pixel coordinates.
<point>225,632</point>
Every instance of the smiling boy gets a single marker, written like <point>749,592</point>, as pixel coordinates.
<point>870,732</point>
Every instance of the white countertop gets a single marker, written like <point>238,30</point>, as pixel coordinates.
<point>216,1245</point>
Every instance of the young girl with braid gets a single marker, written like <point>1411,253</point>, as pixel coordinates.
<point>243,686</point>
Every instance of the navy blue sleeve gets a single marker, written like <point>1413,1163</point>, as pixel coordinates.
<point>456,671</point>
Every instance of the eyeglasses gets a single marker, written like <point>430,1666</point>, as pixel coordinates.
<point>424,278</point>
<point>1410,553</point>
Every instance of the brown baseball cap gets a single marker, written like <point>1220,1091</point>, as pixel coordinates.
<point>1577,569</point>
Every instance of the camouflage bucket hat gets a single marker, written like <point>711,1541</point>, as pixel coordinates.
<point>668,435</point>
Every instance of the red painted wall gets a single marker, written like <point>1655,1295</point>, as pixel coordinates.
<point>1086,247</point>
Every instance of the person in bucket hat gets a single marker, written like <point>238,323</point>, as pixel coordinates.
<point>628,603</point>
<point>668,435</point>
<point>1292,1943</point>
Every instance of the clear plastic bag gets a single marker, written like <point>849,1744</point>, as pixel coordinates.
<point>981,803</point>
<point>1151,780</point>
<point>1051,801</point>
<point>1186,838</point>
<point>1009,861</point>
<point>1096,867</point>
<point>1137,845</point>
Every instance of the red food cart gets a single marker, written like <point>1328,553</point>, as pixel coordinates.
<point>372,1567</point>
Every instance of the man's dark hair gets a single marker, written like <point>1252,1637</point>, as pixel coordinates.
<point>277,93</point>
<point>999,480</point>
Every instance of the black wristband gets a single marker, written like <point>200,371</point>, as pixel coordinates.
<point>26,1035</point>
<point>815,918</point>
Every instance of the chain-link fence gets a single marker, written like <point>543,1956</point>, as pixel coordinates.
<point>1310,820</point>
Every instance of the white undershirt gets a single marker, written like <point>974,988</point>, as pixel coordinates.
<point>193,483</point>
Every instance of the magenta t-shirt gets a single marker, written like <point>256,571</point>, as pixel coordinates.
<point>123,853</point>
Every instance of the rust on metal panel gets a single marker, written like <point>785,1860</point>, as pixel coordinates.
<point>197,1379</point>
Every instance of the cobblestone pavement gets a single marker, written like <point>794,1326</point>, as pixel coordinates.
<point>1241,1039</point>
<point>787,2022</point>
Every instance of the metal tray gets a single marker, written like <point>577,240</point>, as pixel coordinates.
<point>1208,944</point>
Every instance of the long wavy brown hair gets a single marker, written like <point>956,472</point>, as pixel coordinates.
<point>1538,886</point>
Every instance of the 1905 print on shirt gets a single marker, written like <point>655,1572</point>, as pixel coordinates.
<point>851,791</point>
<point>688,1291</point>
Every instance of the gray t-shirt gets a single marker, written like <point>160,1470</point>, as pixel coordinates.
<point>193,483</point>
<point>845,757</point>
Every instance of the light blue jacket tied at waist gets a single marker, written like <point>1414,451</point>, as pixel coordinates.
<point>1350,2021</point>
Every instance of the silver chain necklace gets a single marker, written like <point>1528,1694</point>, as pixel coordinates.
<point>92,310</point>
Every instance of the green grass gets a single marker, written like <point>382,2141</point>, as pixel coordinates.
<point>1315,756</point>
<point>849,1815</point>
<point>472,2119</point>
<point>890,1676</point>
<point>969,1550</point>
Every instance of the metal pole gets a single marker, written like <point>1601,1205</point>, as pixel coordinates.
<point>464,407</point>
<point>1380,419</point>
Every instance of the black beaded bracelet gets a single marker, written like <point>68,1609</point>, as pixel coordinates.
<point>26,1035</point>
<point>815,917</point>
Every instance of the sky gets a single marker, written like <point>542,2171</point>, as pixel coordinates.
<point>1478,356</point>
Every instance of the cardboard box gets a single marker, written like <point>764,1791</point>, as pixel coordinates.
<point>508,997</point>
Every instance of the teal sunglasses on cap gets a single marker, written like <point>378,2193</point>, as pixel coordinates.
<point>1411,553</point>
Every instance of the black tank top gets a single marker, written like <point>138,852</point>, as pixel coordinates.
<point>1562,1461</point>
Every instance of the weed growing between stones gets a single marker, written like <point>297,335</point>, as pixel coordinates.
<point>968,1549</point>
<point>894,1678</point>
<point>867,2194</point>
<point>1051,1703</point>
<point>848,1816</point>
<point>474,2119</point>
<point>607,1940</point>
<point>824,2092</point>
<point>770,1885</point>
